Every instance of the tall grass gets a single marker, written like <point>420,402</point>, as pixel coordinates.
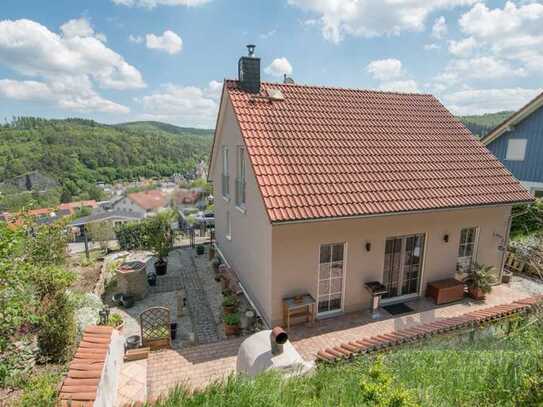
<point>485,372</point>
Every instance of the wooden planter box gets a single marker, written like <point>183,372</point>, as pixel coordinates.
<point>445,291</point>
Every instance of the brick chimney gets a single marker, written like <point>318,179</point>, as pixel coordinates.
<point>249,71</point>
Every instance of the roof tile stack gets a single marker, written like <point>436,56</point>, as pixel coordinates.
<point>386,340</point>
<point>328,152</point>
<point>85,371</point>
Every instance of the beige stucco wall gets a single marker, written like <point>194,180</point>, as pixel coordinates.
<point>296,249</point>
<point>249,250</point>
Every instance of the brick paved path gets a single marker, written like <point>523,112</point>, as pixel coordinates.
<point>199,366</point>
<point>203,321</point>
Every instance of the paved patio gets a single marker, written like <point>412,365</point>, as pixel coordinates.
<point>198,366</point>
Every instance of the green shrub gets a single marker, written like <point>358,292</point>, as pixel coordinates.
<point>115,320</point>
<point>41,390</point>
<point>232,319</point>
<point>56,326</point>
<point>480,277</point>
<point>230,301</point>
<point>527,219</point>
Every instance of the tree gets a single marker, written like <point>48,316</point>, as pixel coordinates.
<point>101,232</point>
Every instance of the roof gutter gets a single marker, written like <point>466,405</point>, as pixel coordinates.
<point>377,215</point>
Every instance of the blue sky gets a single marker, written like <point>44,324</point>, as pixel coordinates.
<point>122,60</point>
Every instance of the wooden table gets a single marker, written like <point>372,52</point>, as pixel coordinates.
<point>295,307</point>
<point>445,291</point>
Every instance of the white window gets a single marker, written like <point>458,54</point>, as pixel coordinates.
<point>467,249</point>
<point>516,149</point>
<point>330,278</point>
<point>228,226</point>
<point>225,181</point>
<point>240,178</point>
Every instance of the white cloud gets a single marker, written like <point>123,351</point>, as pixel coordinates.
<point>479,101</point>
<point>168,41</point>
<point>439,29</point>
<point>432,46</point>
<point>279,67</point>
<point>154,3</point>
<point>483,68</point>
<point>513,32</point>
<point>186,105</point>
<point>31,49</point>
<point>80,27</point>
<point>71,93</point>
<point>463,48</point>
<point>65,67</point>
<point>368,18</point>
<point>385,69</point>
<point>406,86</point>
<point>136,39</point>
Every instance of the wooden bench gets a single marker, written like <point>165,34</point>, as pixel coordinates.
<point>445,291</point>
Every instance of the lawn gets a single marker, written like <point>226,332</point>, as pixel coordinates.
<point>497,371</point>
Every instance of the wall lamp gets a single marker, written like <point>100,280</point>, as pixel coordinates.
<point>446,238</point>
<point>368,246</point>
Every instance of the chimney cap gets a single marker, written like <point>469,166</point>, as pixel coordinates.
<point>251,49</point>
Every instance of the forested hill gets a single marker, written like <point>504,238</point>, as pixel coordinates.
<point>480,125</point>
<point>78,153</point>
<point>151,126</point>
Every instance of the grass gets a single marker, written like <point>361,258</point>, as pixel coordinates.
<point>493,371</point>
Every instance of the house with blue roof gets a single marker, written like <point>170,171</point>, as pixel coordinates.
<point>518,143</point>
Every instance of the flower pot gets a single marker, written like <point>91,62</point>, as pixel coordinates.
<point>132,342</point>
<point>161,267</point>
<point>173,330</point>
<point>231,330</point>
<point>506,277</point>
<point>120,327</point>
<point>200,250</point>
<point>230,309</point>
<point>476,293</point>
<point>151,279</point>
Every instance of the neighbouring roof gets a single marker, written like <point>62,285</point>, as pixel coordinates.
<point>106,215</point>
<point>327,152</point>
<point>78,204</point>
<point>532,106</point>
<point>153,199</point>
<point>186,196</point>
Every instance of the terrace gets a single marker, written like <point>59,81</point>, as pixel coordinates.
<point>208,355</point>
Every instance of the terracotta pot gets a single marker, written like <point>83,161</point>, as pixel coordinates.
<point>230,309</point>
<point>120,327</point>
<point>231,330</point>
<point>476,293</point>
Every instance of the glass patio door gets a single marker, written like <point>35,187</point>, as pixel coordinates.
<point>403,265</point>
<point>330,284</point>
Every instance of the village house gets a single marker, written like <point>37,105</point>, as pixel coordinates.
<point>319,190</point>
<point>145,203</point>
<point>518,144</point>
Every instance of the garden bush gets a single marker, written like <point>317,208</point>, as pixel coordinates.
<point>41,390</point>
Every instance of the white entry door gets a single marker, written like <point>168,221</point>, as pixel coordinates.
<point>403,266</point>
<point>330,278</point>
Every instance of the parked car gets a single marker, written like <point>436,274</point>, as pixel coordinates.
<point>206,218</point>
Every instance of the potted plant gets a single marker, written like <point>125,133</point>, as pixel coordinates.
<point>479,281</point>
<point>230,304</point>
<point>231,324</point>
<point>116,321</point>
<point>507,275</point>
<point>200,249</point>
<point>160,235</point>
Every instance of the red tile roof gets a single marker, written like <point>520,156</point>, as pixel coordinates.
<point>153,199</point>
<point>85,371</point>
<point>328,152</point>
